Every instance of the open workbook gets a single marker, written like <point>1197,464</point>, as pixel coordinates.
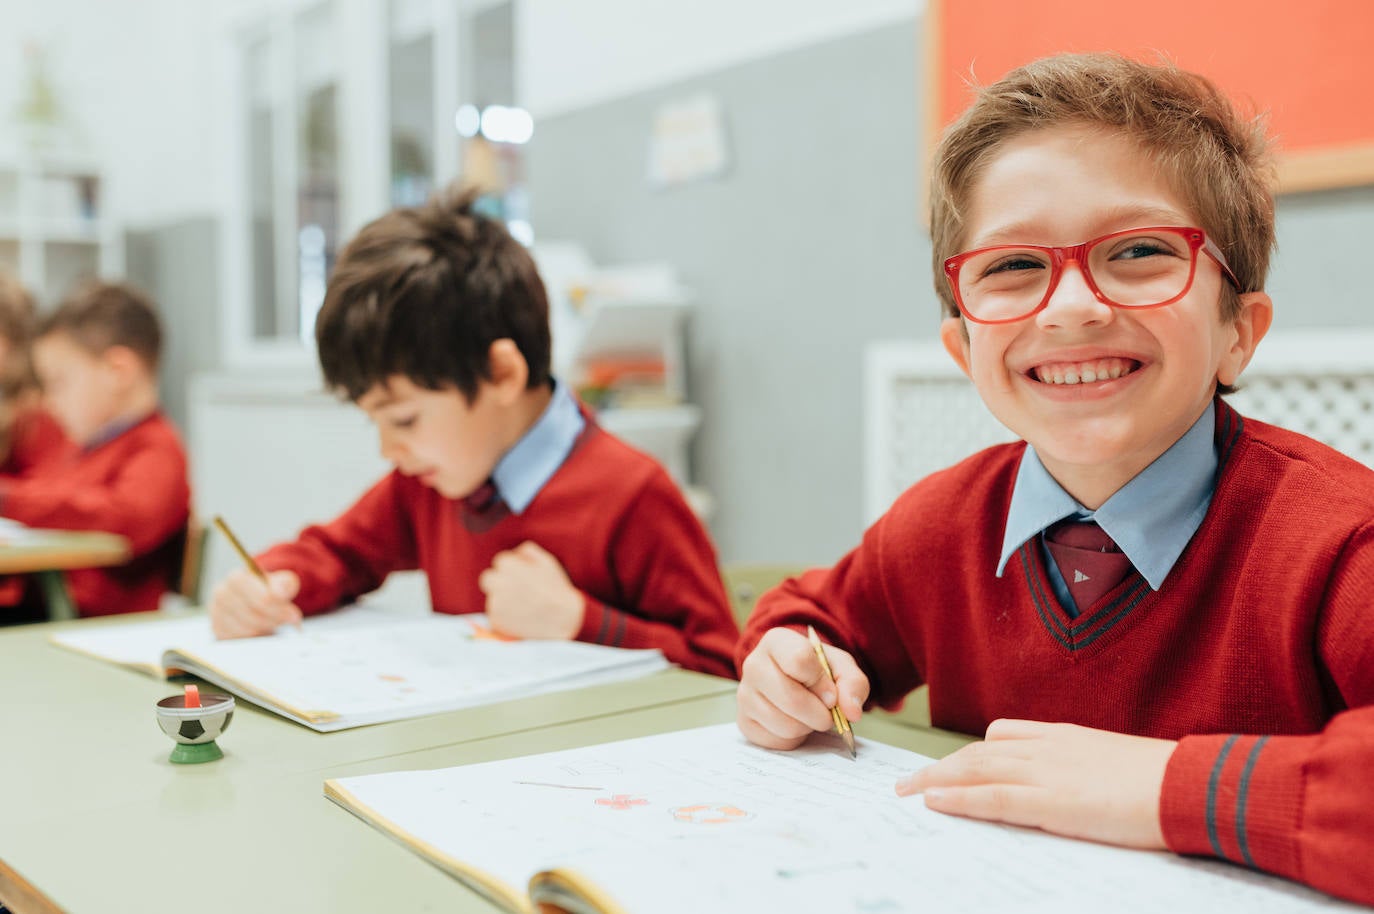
<point>700,820</point>
<point>361,666</point>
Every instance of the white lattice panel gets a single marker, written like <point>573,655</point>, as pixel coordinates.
<point>1317,383</point>
<point>922,414</point>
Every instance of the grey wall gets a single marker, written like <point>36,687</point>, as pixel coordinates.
<point>809,248</point>
<point>178,265</point>
<point>1320,276</point>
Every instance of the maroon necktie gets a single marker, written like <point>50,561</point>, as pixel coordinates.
<point>484,508</point>
<point>1088,559</point>
<point>482,498</point>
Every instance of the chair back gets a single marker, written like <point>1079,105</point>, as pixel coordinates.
<point>745,583</point>
<point>189,581</point>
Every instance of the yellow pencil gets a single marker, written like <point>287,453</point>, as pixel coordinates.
<point>842,725</point>
<point>248,560</point>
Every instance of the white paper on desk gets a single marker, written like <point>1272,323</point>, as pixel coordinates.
<point>702,821</point>
<point>360,666</point>
<point>11,529</point>
<point>407,666</point>
<point>141,644</point>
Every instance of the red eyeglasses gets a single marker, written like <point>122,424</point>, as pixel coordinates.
<point>1136,268</point>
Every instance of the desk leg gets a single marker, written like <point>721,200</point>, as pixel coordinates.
<point>60,605</point>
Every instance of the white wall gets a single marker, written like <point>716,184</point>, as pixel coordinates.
<point>133,79</point>
<point>142,80</point>
<point>570,55</point>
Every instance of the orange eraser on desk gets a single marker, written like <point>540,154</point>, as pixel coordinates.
<point>192,696</point>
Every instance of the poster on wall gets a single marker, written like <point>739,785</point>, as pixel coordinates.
<point>688,142</point>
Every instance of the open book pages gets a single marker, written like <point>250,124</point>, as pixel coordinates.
<point>702,821</point>
<point>140,644</point>
<point>361,666</point>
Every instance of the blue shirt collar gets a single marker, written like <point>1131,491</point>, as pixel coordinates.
<point>531,462</point>
<point>111,432</point>
<point>1151,518</point>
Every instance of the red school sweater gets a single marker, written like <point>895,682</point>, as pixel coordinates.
<point>134,485</point>
<point>35,440</point>
<point>1263,627</point>
<point>611,516</point>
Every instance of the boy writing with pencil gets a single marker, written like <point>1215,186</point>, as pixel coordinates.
<point>505,491</point>
<point>1157,610</point>
<point>96,358</point>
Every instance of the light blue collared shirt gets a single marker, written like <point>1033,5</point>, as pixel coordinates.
<point>531,462</point>
<point>1151,518</point>
<point>111,432</point>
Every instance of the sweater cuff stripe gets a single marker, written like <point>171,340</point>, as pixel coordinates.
<point>1240,801</point>
<point>619,637</point>
<point>605,624</point>
<point>1212,783</point>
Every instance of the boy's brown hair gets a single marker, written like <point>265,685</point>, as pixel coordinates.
<point>98,315</point>
<point>16,328</point>
<point>16,312</point>
<point>423,292</point>
<point>1216,160</point>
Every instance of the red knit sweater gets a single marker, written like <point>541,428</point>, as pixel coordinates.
<point>35,440</point>
<point>134,485</point>
<point>611,516</point>
<point>1264,626</point>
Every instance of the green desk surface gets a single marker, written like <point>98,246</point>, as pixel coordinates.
<point>81,734</point>
<point>82,751</point>
<point>207,840</point>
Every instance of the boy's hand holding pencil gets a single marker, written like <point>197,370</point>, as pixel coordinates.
<point>245,605</point>
<point>251,601</point>
<point>785,693</point>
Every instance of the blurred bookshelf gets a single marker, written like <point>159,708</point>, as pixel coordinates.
<point>54,230</point>
<point>620,342</point>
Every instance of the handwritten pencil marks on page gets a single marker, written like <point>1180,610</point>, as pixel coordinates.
<point>700,820</point>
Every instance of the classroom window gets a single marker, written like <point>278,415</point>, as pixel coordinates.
<point>322,148</point>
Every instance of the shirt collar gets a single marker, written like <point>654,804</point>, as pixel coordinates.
<point>112,431</point>
<point>1151,518</point>
<point>531,462</point>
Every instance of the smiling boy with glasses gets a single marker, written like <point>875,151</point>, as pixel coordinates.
<point>1158,611</point>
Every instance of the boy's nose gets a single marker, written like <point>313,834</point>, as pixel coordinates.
<point>1072,304</point>
<point>390,448</point>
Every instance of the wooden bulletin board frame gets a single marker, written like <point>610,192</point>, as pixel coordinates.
<point>1308,65</point>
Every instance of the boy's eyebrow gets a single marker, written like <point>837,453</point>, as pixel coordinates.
<point>382,401</point>
<point>1125,216</point>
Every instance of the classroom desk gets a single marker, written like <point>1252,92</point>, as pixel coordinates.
<point>80,744</point>
<point>64,715</point>
<point>279,845</point>
<point>47,553</point>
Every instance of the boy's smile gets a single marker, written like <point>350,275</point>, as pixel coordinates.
<point>1099,391</point>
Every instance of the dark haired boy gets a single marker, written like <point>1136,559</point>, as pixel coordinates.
<point>505,491</point>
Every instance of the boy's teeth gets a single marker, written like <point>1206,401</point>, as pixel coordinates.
<point>1083,372</point>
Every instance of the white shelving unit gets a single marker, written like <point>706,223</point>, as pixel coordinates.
<point>54,228</point>
<point>628,312</point>
<point>646,325</point>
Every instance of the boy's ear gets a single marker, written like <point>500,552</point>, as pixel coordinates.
<point>508,368</point>
<point>1250,325</point>
<point>955,338</point>
<point>124,361</point>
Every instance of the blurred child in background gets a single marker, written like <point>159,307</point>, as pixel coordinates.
<point>28,434</point>
<point>96,358</point>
